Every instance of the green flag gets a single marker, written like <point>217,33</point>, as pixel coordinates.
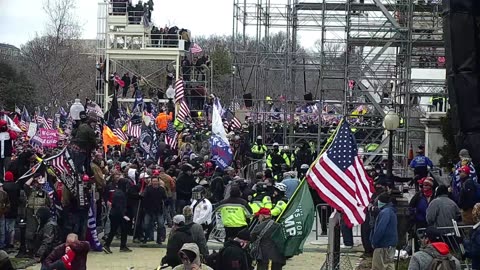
<point>296,222</point>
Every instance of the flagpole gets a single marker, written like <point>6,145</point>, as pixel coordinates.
<point>325,148</point>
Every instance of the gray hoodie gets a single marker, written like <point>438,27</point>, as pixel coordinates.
<point>194,248</point>
<point>422,259</point>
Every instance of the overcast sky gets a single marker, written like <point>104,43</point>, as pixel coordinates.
<point>20,20</point>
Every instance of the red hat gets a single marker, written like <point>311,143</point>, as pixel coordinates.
<point>465,169</point>
<point>263,211</point>
<point>156,172</point>
<point>8,176</point>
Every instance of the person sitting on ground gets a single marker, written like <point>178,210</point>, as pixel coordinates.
<point>190,257</point>
<point>472,246</point>
<point>72,254</point>
<point>435,253</point>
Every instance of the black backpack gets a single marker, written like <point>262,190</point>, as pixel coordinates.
<point>441,263</point>
<point>214,260</point>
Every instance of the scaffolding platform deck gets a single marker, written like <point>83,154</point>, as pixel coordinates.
<point>363,7</point>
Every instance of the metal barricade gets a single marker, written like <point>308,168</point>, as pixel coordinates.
<point>218,231</point>
<point>454,237</point>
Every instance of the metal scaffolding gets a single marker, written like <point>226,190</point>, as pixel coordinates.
<point>385,52</point>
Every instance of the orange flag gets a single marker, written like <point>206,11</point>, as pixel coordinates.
<point>109,138</point>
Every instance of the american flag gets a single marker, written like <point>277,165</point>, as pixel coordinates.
<point>195,48</point>
<point>59,163</point>
<point>134,130</point>
<point>172,136</point>
<point>340,179</point>
<point>226,125</point>
<point>179,90</point>
<point>183,112</point>
<point>120,134</point>
<point>236,124</point>
<point>49,123</point>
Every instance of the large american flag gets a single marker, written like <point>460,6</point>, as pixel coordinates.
<point>41,121</point>
<point>134,130</point>
<point>120,134</point>
<point>172,136</point>
<point>183,112</point>
<point>179,90</point>
<point>340,179</point>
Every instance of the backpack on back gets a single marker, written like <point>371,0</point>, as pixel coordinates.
<point>441,263</point>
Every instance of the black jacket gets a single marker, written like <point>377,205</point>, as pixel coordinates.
<point>217,188</point>
<point>268,248</point>
<point>46,239</point>
<point>467,195</point>
<point>233,257</point>
<point>153,200</point>
<point>185,184</point>
<point>179,237</point>
<point>13,191</point>
<point>119,203</point>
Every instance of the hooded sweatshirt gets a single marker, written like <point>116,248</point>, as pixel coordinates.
<point>422,259</point>
<point>193,248</point>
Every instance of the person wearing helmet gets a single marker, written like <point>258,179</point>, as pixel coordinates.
<point>258,149</point>
<point>276,158</point>
<point>202,209</point>
<point>279,199</point>
<point>303,155</point>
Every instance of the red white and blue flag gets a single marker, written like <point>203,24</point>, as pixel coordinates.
<point>340,179</point>
<point>172,136</point>
<point>134,130</point>
<point>179,90</point>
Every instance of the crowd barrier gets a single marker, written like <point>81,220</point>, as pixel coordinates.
<point>454,237</point>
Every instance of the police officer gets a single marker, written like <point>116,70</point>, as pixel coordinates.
<point>279,199</point>
<point>202,209</point>
<point>420,164</point>
<point>261,198</point>
<point>258,149</point>
<point>235,213</point>
<point>276,158</point>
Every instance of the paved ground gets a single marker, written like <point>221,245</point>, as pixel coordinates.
<point>149,258</point>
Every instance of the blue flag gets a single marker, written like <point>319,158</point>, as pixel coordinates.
<point>220,147</point>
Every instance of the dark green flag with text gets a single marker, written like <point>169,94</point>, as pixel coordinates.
<point>296,222</point>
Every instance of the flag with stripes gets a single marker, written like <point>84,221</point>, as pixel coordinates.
<point>183,112</point>
<point>59,163</point>
<point>179,90</point>
<point>195,48</point>
<point>226,125</point>
<point>340,179</point>
<point>134,130</point>
<point>172,136</point>
<point>236,124</point>
<point>49,123</point>
<point>120,134</point>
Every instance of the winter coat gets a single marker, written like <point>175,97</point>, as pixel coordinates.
<point>472,247</point>
<point>119,204</point>
<point>198,237</point>
<point>184,185</point>
<point>268,248</point>
<point>47,239</point>
<point>177,239</point>
<point>99,176</point>
<point>162,121</point>
<point>418,206</point>
<point>422,259</point>
<point>193,248</point>
<point>217,188</point>
<point>233,257</point>
<point>13,191</point>
<point>441,211</point>
<point>154,199</point>
<point>468,196</point>
<point>81,249</point>
<point>384,234</point>
<point>4,203</point>
<point>84,137</point>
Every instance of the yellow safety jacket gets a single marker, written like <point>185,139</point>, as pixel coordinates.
<point>284,156</point>
<point>235,212</point>
<point>278,208</point>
